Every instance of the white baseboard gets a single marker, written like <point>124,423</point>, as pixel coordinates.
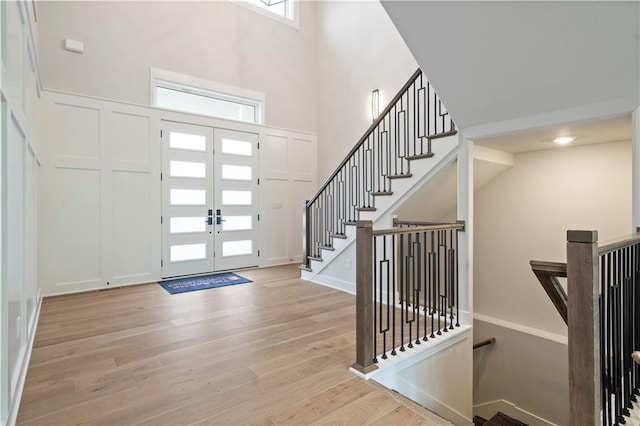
<point>429,402</point>
<point>489,409</point>
<point>12,415</point>
<point>346,286</point>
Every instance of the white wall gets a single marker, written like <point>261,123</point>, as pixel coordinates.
<point>101,197</point>
<point>514,370</point>
<point>100,194</point>
<point>435,201</point>
<point>19,164</point>
<point>523,215</point>
<point>359,50</point>
<point>214,40</point>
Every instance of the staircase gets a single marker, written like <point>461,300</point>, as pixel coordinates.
<point>412,139</point>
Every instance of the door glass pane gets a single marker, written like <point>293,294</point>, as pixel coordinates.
<point>184,252</point>
<point>188,197</point>
<point>237,248</point>
<point>181,225</point>
<point>230,172</point>
<point>187,169</point>
<point>187,141</point>
<point>237,223</point>
<point>229,146</point>
<point>236,198</point>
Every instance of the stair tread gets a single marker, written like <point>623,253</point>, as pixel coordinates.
<point>382,193</point>
<point>402,176</point>
<point>420,156</point>
<point>317,259</point>
<point>305,268</point>
<point>441,135</point>
<point>329,248</point>
<point>341,236</point>
<point>501,419</point>
<point>365,209</point>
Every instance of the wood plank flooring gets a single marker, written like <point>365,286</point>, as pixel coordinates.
<point>275,351</point>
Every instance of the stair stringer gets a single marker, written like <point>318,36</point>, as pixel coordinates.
<point>332,271</point>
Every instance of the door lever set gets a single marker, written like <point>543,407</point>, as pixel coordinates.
<point>219,218</point>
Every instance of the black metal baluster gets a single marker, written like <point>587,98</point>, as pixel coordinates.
<point>402,295</point>
<point>409,287</point>
<point>434,281</point>
<point>636,309</point>
<point>604,389</point>
<point>395,284</point>
<point>425,289</point>
<point>455,257</point>
<point>417,275</point>
<point>445,280</point>
<point>377,281</point>
<point>438,281</point>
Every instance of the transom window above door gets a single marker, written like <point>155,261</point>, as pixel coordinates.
<point>193,95</point>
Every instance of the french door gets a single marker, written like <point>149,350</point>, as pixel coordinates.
<point>209,211</point>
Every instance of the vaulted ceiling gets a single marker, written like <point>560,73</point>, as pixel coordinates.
<point>497,61</point>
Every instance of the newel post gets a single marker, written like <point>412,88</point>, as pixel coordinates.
<point>306,233</point>
<point>364,298</point>
<point>584,325</point>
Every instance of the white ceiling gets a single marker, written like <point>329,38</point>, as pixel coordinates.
<point>498,61</point>
<point>601,131</point>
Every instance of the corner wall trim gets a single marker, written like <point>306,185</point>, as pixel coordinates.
<point>522,328</point>
<point>12,415</point>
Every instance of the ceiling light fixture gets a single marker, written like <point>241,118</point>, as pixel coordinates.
<point>563,140</point>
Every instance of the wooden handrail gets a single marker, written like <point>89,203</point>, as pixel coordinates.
<point>548,274</point>
<point>396,222</point>
<point>618,243</point>
<point>487,342</point>
<point>438,227</point>
<point>375,124</point>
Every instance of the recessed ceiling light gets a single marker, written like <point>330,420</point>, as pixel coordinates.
<point>564,140</point>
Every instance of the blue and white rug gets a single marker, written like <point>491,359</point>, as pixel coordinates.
<point>183,285</point>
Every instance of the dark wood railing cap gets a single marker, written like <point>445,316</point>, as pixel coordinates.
<point>582,236</point>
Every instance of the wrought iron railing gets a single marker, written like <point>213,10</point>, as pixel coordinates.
<point>406,288</point>
<point>602,311</point>
<point>404,131</point>
<point>619,304</point>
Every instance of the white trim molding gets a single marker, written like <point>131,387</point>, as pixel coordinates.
<point>522,328</point>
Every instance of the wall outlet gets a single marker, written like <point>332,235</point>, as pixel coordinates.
<point>347,264</point>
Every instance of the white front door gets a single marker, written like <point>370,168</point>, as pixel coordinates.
<point>236,197</point>
<point>187,199</point>
<point>209,201</point>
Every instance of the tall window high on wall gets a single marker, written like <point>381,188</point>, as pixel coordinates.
<point>283,11</point>
<point>282,8</point>
<point>197,96</point>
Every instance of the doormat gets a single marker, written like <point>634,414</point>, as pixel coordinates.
<point>184,285</point>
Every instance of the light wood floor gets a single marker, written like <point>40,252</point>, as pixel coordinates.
<point>274,351</point>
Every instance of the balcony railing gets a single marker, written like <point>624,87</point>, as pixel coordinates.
<point>406,288</point>
<point>602,311</point>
